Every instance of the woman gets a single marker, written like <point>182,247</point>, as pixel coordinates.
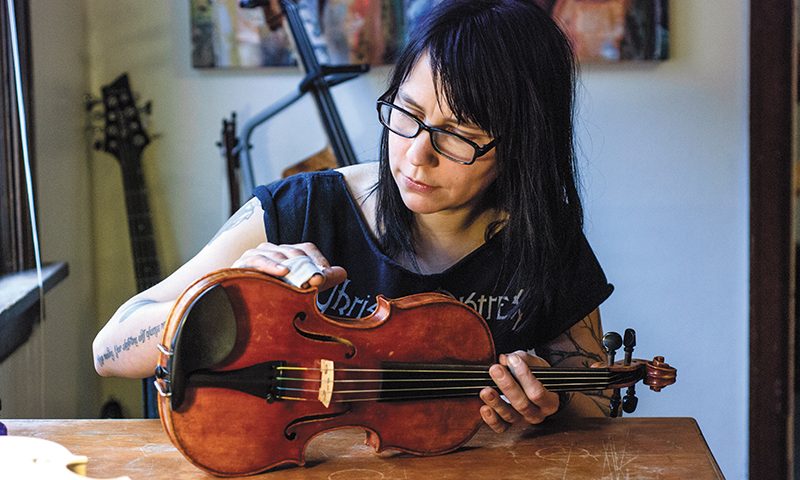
<point>474,194</point>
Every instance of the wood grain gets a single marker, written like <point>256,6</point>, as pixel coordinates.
<point>642,448</point>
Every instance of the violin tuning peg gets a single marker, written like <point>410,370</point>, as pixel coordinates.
<point>614,404</point>
<point>611,343</point>
<point>630,401</point>
<point>629,341</point>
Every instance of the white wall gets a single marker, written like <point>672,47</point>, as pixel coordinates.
<point>52,376</point>
<point>667,198</point>
<point>665,173</point>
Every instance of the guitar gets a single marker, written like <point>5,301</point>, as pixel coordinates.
<point>126,138</point>
<point>230,151</point>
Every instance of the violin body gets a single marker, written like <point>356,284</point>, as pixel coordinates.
<point>235,336</point>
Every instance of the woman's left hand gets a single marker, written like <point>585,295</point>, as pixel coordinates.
<point>528,400</point>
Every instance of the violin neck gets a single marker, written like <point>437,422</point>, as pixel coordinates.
<point>575,379</point>
<point>468,376</point>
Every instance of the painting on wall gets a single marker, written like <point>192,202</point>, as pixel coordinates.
<point>225,35</point>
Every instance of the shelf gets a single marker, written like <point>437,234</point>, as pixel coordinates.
<point>19,293</point>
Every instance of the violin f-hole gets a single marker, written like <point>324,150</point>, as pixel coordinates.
<point>300,317</point>
<point>291,435</point>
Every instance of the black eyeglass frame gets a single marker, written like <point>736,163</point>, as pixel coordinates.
<point>479,150</point>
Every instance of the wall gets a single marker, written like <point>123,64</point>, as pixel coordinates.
<point>667,195</point>
<point>52,375</point>
<point>664,153</point>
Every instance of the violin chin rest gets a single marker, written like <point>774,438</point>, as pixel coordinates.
<point>205,338</point>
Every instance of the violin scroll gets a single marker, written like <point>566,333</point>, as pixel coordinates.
<point>656,374</point>
<point>659,374</point>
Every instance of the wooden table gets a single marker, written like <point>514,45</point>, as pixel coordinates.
<point>641,448</point>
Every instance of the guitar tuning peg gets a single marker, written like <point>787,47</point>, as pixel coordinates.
<point>630,401</point>
<point>89,101</point>
<point>611,343</point>
<point>629,342</point>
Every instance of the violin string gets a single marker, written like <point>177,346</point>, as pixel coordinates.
<point>556,380</point>
<point>463,379</point>
<point>420,397</point>
<point>537,372</point>
<point>417,389</point>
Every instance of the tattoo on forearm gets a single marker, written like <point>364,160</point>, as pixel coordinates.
<point>573,349</point>
<point>128,309</point>
<point>237,218</point>
<point>580,346</point>
<point>113,352</point>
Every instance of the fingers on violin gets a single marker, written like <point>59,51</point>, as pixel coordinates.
<point>266,257</point>
<point>331,276</point>
<point>494,421</point>
<point>536,402</point>
<point>311,251</point>
<point>518,384</point>
<point>497,413</point>
<point>508,408</point>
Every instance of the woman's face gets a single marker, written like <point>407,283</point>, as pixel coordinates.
<point>428,181</point>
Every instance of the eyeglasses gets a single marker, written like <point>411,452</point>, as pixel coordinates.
<point>452,145</point>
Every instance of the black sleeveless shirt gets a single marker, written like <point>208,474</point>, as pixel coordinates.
<point>317,207</point>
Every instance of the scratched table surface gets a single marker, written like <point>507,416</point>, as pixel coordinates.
<point>624,448</point>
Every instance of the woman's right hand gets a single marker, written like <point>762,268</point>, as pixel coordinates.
<point>269,258</point>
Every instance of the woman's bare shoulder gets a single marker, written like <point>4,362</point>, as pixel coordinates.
<point>360,178</point>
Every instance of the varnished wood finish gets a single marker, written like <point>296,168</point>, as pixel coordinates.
<point>232,433</point>
<point>663,448</point>
<point>253,320</point>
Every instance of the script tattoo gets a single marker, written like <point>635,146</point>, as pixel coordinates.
<point>113,352</point>
<point>237,218</point>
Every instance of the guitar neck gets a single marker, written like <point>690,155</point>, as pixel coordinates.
<point>140,225</point>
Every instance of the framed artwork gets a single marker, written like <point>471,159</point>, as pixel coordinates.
<point>225,35</point>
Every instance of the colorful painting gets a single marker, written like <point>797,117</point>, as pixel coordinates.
<point>613,30</point>
<point>225,35</point>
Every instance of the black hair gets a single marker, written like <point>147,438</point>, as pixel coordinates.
<point>505,66</point>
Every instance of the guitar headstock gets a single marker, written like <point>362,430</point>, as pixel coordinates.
<point>124,134</point>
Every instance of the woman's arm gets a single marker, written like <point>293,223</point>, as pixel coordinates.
<point>527,400</point>
<point>126,346</point>
<point>580,346</point>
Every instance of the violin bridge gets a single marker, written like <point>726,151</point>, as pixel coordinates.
<point>325,382</point>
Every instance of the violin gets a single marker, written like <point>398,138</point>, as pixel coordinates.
<point>249,371</point>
